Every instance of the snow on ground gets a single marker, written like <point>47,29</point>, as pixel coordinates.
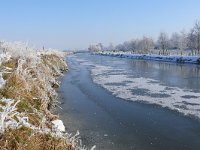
<point>170,58</point>
<point>58,124</point>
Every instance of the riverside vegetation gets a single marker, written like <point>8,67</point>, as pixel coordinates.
<point>28,82</point>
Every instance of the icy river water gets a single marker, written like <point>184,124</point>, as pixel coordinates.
<point>122,104</point>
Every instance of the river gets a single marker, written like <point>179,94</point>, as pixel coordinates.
<point>122,104</point>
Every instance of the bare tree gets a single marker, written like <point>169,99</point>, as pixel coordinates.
<point>194,38</point>
<point>191,41</point>
<point>174,40</point>
<point>197,35</point>
<point>182,43</point>
<point>126,45</point>
<point>95,48</point>
<point>133,45</point>
<point>100,46</point>
<point>163,41</point>
<point>111,47</point>
<point>119,47</point>
<point>146,44</point>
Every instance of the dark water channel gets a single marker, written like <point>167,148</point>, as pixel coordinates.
<point>112,123</point>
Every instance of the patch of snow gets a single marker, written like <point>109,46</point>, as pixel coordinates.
<point>58,124</point>
<point>2,81</point>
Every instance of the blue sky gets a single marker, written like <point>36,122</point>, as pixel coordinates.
<point>74,24</point>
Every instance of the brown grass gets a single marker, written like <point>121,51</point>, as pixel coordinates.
<point>32,93</point>
<point>12,63</point>
<point>54,60</point>
<point>24,139</point>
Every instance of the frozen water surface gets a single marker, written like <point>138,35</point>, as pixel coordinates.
<point>124,85</point>
<point>119,103</point>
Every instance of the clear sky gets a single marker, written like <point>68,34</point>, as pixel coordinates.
<point>74,24</point>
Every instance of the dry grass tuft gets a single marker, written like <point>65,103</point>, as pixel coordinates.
<point>25,139</point>
<point>11,63</point>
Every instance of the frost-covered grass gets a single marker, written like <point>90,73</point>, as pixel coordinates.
<point>154,57</point>
<point>28,79</point>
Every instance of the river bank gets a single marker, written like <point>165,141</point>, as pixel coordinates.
<point>153,57</point>
<point>29,79</point>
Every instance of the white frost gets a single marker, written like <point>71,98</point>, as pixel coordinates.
<point>2,81</point>
<point>7,114</point>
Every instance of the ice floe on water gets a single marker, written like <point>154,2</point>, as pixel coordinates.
<point>147,90</point>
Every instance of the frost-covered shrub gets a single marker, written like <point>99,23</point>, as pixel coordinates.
<point>7,114</point>
<point>17,49</point>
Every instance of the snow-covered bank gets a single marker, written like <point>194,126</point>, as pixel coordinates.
<point>174,59</point>
<point>28,79</point>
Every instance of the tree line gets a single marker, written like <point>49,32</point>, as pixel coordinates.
<point>178,40</point>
